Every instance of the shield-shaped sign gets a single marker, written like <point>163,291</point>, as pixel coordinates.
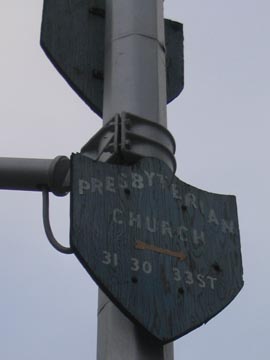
<point>73,37</point>
<point>166,253</point>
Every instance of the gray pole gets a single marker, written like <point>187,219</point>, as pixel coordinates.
<point>135,64</point>
<point>135,82</point>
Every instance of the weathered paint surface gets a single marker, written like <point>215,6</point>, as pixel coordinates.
<point>166,253</point>
<point>72,36</point>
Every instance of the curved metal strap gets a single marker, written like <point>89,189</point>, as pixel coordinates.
<point>47,226</point>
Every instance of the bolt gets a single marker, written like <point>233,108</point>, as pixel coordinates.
<point>97,74</point>
<point>128,124</point>
<point>181,291</point>
<point>110,148</point>
<point>127,191</point>
<point>128,144</point>
<point>96,11</point>
<point>216,267</point>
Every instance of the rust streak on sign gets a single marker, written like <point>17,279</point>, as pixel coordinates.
<point>143,246</point>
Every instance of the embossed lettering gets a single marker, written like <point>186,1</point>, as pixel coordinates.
<point>117,213</point>
<point>227,227</point>
<point>149,177</point>
<point>190,200</point>
<point>83,186</point>
<point>212,218</point>
<point>135,220</point>
<point>198,239</point>
<point>96,185</point>
<point>137,181</point>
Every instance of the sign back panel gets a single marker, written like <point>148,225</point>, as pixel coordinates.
<point>166,253</point>
<point>73,35</point>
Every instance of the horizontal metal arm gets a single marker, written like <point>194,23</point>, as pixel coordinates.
<point>35,174</point>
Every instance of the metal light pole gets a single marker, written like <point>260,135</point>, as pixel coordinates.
<point>135,64</point>
<point>134,82</point>
<point>178,273</point>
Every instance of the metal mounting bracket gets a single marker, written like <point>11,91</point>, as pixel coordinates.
<point>128,138</point>
<point>47,226</point>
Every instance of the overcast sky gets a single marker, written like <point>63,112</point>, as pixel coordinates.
<point>48,302</point>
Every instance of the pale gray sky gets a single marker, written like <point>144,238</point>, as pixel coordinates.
<point>220,123</point>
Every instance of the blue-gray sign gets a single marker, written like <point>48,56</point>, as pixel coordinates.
<point>166,253</point>
<point>73,35</point>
